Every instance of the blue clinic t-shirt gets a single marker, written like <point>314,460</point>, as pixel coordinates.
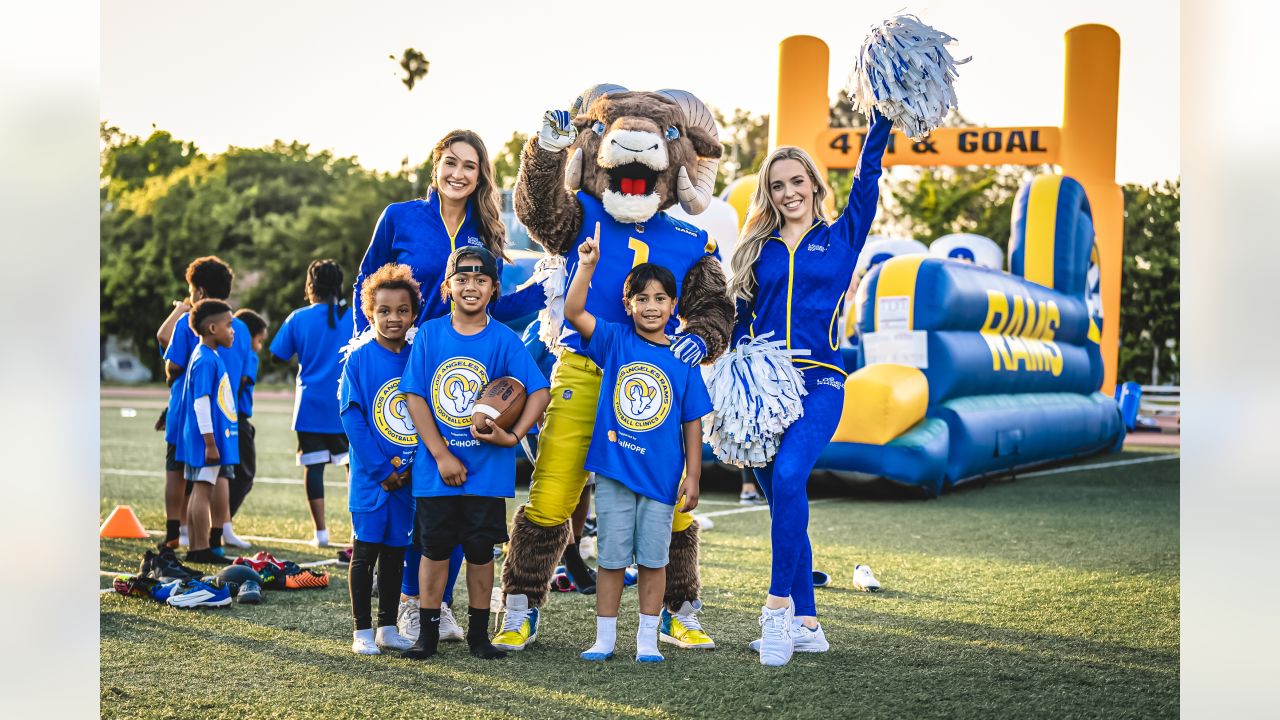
<point>448,370</point>
<point>645,395</point>
<point>183,343</point>
<point>244,398</point>
<point>206,375</point>
<point>306,333</point>
<point>376,419</point>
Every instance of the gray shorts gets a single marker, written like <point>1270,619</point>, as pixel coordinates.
<point>209,473</point>
<point>631,527</point>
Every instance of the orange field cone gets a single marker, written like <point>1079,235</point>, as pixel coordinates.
<point>122,523</point>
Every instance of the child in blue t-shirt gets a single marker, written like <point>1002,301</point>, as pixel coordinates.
<point>648,435</point>
<point>465,471</point>
<point>316,334</point>
<point>209,443</point>
<point>247,468</point>
<point>383,442</point>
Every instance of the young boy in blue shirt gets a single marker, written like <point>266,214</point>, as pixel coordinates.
<point>648,435</point>
<point>383,443</point>
<point>465,472</point>
<point>209,444</point>
<point>247,468</point>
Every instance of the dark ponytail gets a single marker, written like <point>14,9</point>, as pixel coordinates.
<point>325,285</point>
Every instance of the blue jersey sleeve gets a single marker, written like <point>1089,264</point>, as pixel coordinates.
<point>416,378</point>
<point>604,340</point>
<point>363,443</point>
<point>527,300</point>
<point>349,384</point>
<point>182,342</point>
<point>377,255</point>
<point>203,383</point>
<point>696,401</point>
<point>251,368</point>
<point>855,222</point>
<point>283,345</point>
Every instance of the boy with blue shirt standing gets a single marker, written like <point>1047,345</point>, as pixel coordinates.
<point>209,442</point>
<point>648,435</point>
<point>462,478</point>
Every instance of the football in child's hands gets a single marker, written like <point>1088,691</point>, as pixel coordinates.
<point>502,401</point>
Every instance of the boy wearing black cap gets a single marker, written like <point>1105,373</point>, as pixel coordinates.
<point>463,473</point>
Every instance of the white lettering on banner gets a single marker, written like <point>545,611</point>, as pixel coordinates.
<point>899,347</point>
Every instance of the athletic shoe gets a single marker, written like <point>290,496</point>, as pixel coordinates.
<point>776,645</point>
<point>519,624</point>
<point>821,579</point>
<point>198,593</point>
<point>306,580</point>
<point>803,639</point>
<point>164,566</point>
<point>683,629</point>
<point>630,576</point>
<point>864,580</point>
<point>449,630</point>
<point>250,593</point>
<point>589,527</point>
<point>750,497</point>
<point>408,619</point>
<point>134,585</point>
<point>206,557</point>
<point>161,592</point>
<point>344,556</point>
<point>388,639</point>
<point>362,643</point>
<point>560,580</point>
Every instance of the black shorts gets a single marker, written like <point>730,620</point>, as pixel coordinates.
<point>248,466</point>
<point>320,448</point>
<point>171,463</point>
<point>476,523</point>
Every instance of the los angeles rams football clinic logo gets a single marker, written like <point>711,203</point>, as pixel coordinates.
<point>642,397</point>
<point>454,390</point>
<point>226,399</point>
<point>391,415</point>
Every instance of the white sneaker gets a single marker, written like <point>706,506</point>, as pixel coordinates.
<point>388,639</point>
<point>184,538</point>
<point>408,619</point>
<point>449,629</point>
<point>776,645</point>
<point>362,643</point>
<point>864,580</point>
<point>803,639</point>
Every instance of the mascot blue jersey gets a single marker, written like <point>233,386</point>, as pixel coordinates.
<point>663,240</point>
<point>800,292</point>
<point>376,419</point>
<point>413,233</point>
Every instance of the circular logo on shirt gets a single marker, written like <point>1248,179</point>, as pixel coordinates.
<point>642,397</point>
<point>226,400</point>
<point>454,390</point>
<point>391,415</point>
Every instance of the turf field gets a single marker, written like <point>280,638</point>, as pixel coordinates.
<point>1050,596</point>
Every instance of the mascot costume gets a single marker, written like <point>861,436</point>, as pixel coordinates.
<point>619,161</point>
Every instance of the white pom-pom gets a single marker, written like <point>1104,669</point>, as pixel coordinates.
<point>552,274</point>
<point>905,70</point>
<point>755,390</point>
<point>362,339</point>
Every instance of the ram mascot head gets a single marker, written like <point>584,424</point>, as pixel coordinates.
<point>641,152</point>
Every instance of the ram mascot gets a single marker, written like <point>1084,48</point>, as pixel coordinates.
<point>620,160</point>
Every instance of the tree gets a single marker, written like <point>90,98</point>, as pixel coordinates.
<point>127,161</point>
<point>506,163</point>
<point>415,66</point>
<point>1149,294</point>
<point>746,142</point>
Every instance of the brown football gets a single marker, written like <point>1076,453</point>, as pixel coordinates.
<point>502,400</point>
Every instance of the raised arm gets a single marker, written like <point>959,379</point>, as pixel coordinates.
<point>855,222</point>
<point>547,208</point>
<point>528,299</point>
<point>575,301</point>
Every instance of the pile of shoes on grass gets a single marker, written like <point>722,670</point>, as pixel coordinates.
<point>161,577</point>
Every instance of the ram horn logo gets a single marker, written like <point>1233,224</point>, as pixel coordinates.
<point>640,395</point>
<point>462,393</point>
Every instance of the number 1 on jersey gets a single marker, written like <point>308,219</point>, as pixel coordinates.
<point>641,250</point>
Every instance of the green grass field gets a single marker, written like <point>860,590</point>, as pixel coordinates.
<point>1048,596</point>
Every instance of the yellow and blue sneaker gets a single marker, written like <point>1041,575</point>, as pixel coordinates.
<point>683,629</point>
<point>519,624</point>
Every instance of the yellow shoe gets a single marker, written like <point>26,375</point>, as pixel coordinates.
<point>519,625</point>
<point>683,629</point>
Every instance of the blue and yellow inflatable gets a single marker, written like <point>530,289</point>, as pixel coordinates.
<point>967,371</point>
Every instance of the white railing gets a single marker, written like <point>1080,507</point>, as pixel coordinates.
<point>1161,401</point>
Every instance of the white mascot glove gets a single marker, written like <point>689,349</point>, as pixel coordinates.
<point>557,131</point>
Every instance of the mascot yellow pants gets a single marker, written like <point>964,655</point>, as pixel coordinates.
<point>558,476</point>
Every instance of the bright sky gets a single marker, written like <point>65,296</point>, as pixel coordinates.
<point>245,73</point>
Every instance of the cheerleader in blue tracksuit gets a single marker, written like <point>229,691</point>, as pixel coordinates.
<point>461,208</point>
<point>790,273</point>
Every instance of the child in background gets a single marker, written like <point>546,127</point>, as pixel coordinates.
<point>207,278</point>
<point>242,483</point>
<point>464,473</point>
<point>209,443</point>
<point>648,434</point>
<point>383,441</point>
<point>316,335</point>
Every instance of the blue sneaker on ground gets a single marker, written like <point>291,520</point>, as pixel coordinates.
<point>198,593</point>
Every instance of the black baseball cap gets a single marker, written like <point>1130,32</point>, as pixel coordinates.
<point>469,254</point>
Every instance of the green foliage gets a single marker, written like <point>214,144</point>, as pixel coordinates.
<point>939,201</point>
<point>415,66</point>
<point>746,142</point>
<point>1149,287</point>
<point>128,161</point>
<point>506,162</point>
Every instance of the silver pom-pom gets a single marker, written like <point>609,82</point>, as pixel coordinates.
<point>905,70</point>
<point>755,390</point>
<point>552,273</point>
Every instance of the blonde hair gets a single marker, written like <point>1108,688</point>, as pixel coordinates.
<point>763,217</point>
<point>487,202</point>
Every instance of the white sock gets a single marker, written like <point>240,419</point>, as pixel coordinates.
<point>606,635</point>
<point>647,636</point>
<point>226,530</point>
<point>322,536</point>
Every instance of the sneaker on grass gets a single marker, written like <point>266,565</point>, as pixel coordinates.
<point>776,645</point>
<point>683,629</point>
<point>362,643</point>
<point>864,579</point>
<point>519,624</point>
<point>197,593</point>
<point>408,619</point>
<point>803,639</point>
<point>449,629</point>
